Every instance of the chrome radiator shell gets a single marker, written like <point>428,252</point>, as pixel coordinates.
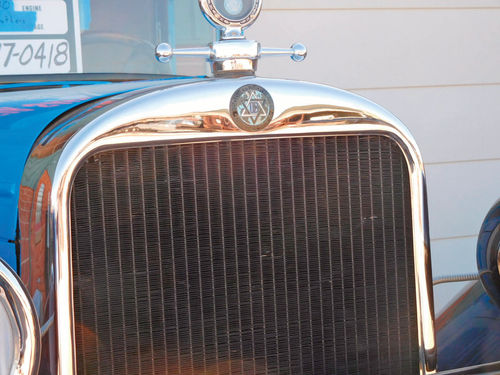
<point>198,112</point>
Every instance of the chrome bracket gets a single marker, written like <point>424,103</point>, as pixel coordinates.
<point>231,55</point>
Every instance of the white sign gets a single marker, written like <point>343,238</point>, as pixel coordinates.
<point>34,56</point>
<point>51,17</point>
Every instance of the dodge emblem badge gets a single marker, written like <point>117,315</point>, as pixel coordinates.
<point>252,108</point>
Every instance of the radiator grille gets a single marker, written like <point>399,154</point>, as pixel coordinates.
<point>278,256</point>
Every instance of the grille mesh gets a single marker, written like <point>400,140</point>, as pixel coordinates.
<point>279,256</point>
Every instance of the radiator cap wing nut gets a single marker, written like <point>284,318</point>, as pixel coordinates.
<point>251,108</point>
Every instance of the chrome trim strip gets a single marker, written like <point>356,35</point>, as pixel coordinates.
<point>199,112</point>
<point>16,296</point>
<point>455,278</point>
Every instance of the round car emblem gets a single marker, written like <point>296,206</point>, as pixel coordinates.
<point>252,108</point>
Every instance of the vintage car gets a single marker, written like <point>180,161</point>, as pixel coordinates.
<point>156,223</point>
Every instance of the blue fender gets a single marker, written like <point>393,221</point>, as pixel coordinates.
<point>25,111</point>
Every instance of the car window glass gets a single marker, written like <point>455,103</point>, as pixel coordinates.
<point>96,36</point>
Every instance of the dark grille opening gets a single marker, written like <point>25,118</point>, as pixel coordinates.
<point>280,256</point>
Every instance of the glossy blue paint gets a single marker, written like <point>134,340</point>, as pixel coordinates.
<point>51,84</point>
<point>468,333</point>
<point>24,114</point>
<point>487,253</point>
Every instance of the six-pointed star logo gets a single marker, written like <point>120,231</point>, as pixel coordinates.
<point>252,108</point>
<point>253,111</point>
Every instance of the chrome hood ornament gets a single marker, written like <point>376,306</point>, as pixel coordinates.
<point>233,54</point>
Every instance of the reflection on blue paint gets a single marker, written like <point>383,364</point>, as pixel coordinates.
<point>468,332</point>
<point>12,20</point>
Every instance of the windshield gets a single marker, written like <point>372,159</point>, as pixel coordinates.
<point>98,36</point>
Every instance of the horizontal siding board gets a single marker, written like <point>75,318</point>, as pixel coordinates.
<point>384,4</point>
<point>452,257</point>
<point>450,124</point>
<point>446,294</point>
<point>387,48</point>
<point>460,195</point>
<point>433,64</point>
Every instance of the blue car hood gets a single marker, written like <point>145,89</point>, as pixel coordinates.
<point>25,111</point>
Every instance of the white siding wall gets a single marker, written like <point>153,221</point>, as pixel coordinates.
<point>434,64</point>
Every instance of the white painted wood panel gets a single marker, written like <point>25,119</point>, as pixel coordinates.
<point>452,257</point>
<point>443,56</point>
<point>446,294</point>
<point>385,48</point>
<point>449,123</point>
<point>460,195</point>
<point>377,4</point>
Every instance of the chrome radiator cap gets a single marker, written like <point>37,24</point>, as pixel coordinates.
<point>233,54</point>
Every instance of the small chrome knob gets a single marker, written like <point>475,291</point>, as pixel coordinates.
<point>164,52</point>
<point>299,52</point>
